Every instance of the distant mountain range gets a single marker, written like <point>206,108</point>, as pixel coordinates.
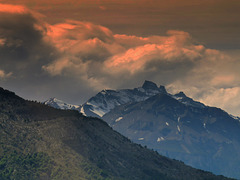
<point>174,125</point>
<point>40,142</point>
<point>106,100</point>
<point>56,103</point>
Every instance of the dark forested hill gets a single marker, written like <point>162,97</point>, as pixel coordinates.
<point>40,142</point>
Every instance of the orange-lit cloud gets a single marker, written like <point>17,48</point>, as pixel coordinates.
<point>4,75</point>
<point>7,8</point>
<point>174,48</point>
<point>94,50</point>
<point>223,80</point>
<point>103,8</point>
<point>98,57</point>
<point>35,52</point>
<point>215,23</point>
<point>2,42</point>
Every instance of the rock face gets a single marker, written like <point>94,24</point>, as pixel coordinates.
<point>41,142</point>
<point>178,127</point>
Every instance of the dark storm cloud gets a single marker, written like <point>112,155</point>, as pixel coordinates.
<point>23,48</point>
<point>27,44</point>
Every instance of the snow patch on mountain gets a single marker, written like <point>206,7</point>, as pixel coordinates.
<point>56,103</point>
<point>178,128</point>
<point>204,125</point>
<point>118,119</point>
<point>235,117</point>
<point>107,100</point>
<point>181,97</point>
<point>178,119</point>
<point>160,139</point>
<point>82,111</point>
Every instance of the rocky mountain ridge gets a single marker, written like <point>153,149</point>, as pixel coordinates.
<point>106,100</point>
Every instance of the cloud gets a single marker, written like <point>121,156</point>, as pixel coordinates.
<point>94,50</point>
<point>100,58</point>
<point>24,50</point>
<point>215,23</point>
<point>2,42</point>
<point>4,75</point>
<point>156,52</point>
<point>83,48</point>
<point>226,98</point>
<point>103,8</point>
<point>77,57</point>
<point>8,8</point>
<point>22,44</point>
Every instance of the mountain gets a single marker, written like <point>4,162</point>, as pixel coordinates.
<point>181,128</point>
<point>107,100</point>
<point>59,104</point>
<point>181,97</point>
<point>41,142</point>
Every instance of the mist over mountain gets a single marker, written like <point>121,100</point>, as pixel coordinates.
<point>174,125</point>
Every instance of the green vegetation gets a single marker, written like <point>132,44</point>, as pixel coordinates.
<point>18,166</point>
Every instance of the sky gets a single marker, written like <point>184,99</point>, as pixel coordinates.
<point>71,49</point>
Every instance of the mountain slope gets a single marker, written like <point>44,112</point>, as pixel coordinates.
<point>178,127</point>
<point>40,142</point>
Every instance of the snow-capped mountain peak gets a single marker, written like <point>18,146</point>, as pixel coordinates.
<point>106,100</point>
<point>59,104</point>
